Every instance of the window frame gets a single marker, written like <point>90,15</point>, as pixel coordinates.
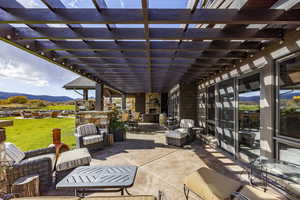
<point>281,139</point>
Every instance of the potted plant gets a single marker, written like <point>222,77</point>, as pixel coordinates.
<point>117,127</point>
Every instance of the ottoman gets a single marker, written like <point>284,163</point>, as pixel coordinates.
<point>69,160</point>
<point>176,138</point>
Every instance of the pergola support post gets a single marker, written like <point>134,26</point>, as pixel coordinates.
<point>85,94</point>
<point>99,97</point>
<point>123,102</point>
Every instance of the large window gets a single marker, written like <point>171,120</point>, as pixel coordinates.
<point>249,115</point>
<point>289,98</point>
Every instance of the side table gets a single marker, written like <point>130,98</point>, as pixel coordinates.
<point>27,186</point>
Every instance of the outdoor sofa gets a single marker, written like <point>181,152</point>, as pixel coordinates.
<point>42,162</point>
<point>211,185</point>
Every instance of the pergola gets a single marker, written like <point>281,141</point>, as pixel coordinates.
<point>133,60</point>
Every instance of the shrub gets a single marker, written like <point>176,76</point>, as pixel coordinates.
<point>18,100</point>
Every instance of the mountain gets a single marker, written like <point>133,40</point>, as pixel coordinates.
<point>5,95</point>
<point>289,95</point>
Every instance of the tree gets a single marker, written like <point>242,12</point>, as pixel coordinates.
<point>17,99</point>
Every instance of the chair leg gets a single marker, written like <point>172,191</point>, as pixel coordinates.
<point>186,192</point>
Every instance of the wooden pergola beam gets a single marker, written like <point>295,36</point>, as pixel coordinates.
<point>138,34</point>
<point>154,46</point>
<point>156,16</point>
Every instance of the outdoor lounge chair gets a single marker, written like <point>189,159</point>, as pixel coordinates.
<point>40,162</point>
<point>89,136</point>
<point>211,185</point>
<point>181,135</point>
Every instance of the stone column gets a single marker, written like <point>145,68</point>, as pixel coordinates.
<point>85,94</point>
<point>99,97</point>
<point>123,102</point>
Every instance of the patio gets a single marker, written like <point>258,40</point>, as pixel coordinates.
<point>229,66</point>
<point>162,167</point>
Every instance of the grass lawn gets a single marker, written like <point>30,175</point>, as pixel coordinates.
<point>30,134</point>
<point>59,107</point>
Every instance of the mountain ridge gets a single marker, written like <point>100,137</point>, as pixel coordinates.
<point>5,95</point>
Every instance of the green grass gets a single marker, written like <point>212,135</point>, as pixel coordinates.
<point>30,134</point>
<point>59,107</point>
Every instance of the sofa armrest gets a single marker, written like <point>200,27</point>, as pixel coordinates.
<point>38,152</point>
<point>42,167</point>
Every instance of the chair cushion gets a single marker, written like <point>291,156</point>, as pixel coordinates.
<point>209,184</point>
<point>72,159</point>
<point>254,193</point>
<point>87,129</point>
<point>92,139</point>
<point>50,155</point>
<point>13,153</point>
<point>295,189</point>
<point>187,123</point>
<point>176,134</point>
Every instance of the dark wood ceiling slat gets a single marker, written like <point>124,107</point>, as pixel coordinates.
<point>156,16</point>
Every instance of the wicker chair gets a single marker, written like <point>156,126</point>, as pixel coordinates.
<point>40,162</point>
<point>90,137</point>
<point>182,134</point>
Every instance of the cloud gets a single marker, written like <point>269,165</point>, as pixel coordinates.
<point>30,3</point>
<point>14,70</point>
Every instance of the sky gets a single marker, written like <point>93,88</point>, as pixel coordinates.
<point>25,73</point>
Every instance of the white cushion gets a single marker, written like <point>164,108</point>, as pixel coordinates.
<point>13,153</point>
<point>176,134</point>
<point>72,159</point>
<point>86,129</point>
<point>92,139</point>
<point>187,123</point>
<point>182,130</point>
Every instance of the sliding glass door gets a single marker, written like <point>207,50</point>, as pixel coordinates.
<point>249,117</point>
<point>225,118</point>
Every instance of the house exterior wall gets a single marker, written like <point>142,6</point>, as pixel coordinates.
<point>264,61</point>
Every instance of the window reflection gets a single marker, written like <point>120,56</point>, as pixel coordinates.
<point>289,153</point>
<point>289,98</point>
<point>249,116</point>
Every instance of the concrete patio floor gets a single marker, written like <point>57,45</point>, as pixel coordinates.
<point>162,167</point>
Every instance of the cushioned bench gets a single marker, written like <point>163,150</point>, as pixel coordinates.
<point>211,185</point>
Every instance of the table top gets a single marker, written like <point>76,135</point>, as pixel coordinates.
<point>277,168</point>
<point>99,177</point>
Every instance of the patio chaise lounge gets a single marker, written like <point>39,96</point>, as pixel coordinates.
<point>181,135</point>
<point>211,185</point>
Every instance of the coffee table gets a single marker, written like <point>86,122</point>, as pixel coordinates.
<point>88,179</point>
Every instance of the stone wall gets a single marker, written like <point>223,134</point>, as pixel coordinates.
<point>100,118</point>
